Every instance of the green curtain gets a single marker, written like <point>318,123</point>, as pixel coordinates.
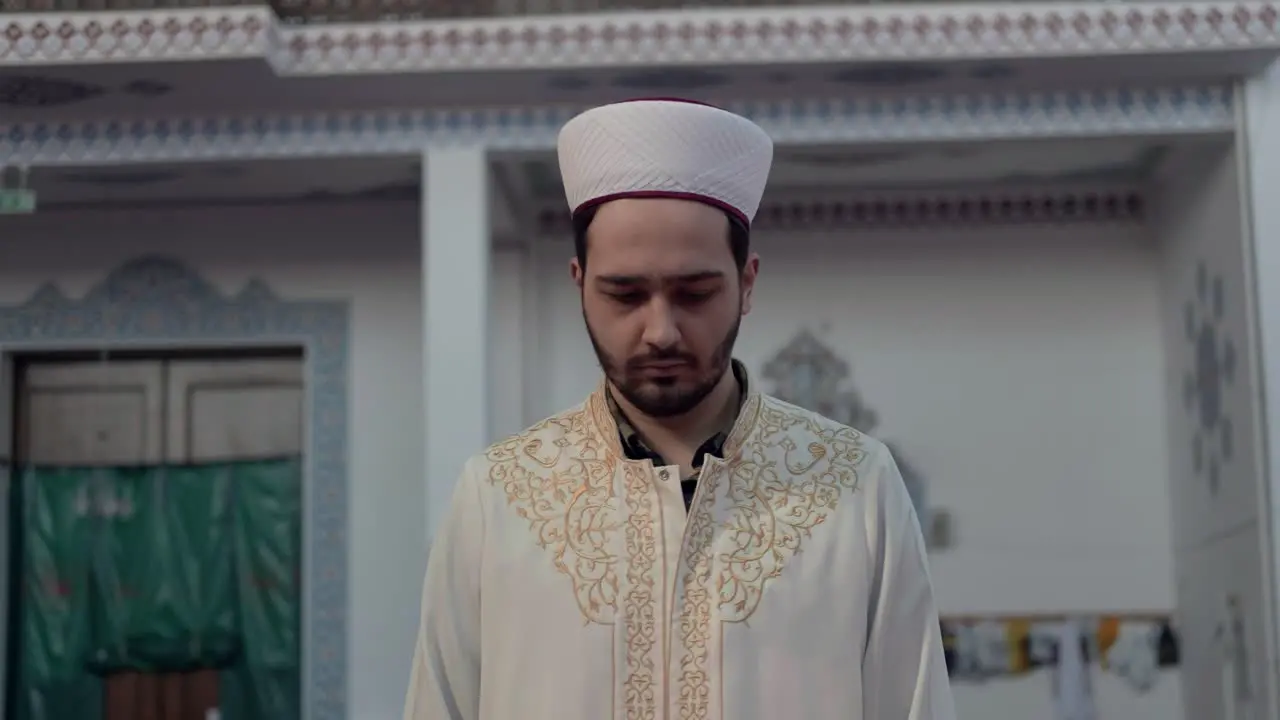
<point>54,612</point>
<point>267,683</point>
<point>160,569</point>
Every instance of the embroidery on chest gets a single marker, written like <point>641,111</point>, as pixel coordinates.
<point>561,479</point>
<point>782,488</point>
<point>557,477</point>
<point>750,521</point>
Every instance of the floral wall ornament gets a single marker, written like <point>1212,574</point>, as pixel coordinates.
<point>807,373</point>
<point>1212,371</point>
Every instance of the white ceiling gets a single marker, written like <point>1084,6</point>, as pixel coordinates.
<point>293,179</point>
<point>532,180</point>
<point>949,164</point>
<point>527,183</point>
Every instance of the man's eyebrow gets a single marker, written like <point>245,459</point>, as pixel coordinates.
<point>643,279</point>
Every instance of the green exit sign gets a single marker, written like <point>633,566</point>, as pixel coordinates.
<point>16,201</point>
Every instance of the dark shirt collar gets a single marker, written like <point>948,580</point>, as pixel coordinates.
<point>634,447</point>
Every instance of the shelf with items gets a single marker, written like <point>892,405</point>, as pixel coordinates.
<point>1134,646</point>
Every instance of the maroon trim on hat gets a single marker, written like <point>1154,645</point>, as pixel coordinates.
<point>669,195</point>
<point>686,101</point>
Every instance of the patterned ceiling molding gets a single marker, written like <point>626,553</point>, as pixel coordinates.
<point>916,208</point>
<point>159,35</point>
<point>1072,113</point>
<point>777,35</point>
<point>812,34</point>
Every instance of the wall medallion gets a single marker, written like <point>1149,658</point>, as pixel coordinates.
<point>1213,370</point>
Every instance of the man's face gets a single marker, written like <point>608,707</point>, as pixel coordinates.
<point>662,299</point>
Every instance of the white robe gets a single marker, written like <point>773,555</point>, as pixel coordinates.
<point>569,583</point>
<point>1073,683</point>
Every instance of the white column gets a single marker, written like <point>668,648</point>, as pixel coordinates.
<point>1262,132</point>
<point>456,252</point>
<point>533,319</point>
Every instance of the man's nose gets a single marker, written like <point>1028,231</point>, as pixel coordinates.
<point>661,330</point>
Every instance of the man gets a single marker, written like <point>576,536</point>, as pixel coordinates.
<point>679,545</point>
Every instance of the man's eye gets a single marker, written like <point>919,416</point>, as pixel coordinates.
<point>629,298</point>
<point>693,298</point>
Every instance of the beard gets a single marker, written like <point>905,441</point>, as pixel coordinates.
<point>666,397</point>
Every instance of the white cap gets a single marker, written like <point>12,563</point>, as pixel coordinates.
<point>665,148</point>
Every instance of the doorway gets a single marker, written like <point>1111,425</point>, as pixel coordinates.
<point>151,410</point>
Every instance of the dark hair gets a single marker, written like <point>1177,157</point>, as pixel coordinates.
<point>739,237</point>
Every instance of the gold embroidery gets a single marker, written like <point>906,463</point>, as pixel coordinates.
<point>788,470</point>
<point>560,475</point>
<point>776,494</point>
<point>641,611</point>
<point>770,514</point>
<point>695,616</point>
<point>558,478</point>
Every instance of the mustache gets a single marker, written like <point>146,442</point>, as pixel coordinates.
<point>660,356</point>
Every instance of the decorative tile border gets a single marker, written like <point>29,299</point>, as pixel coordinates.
<point>1070,113</point>
<point>919,208</point>
<point>155,302</point>
<point>813,34</point>
<point>160,35</point>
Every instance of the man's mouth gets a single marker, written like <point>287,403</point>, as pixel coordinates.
<point>664,365</point>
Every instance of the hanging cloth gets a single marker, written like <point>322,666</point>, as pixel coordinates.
<point>1134,656</point>
<point>1073,686</point>
<point>1237,688</point>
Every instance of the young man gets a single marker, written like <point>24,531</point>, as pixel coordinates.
<point>679,545</point>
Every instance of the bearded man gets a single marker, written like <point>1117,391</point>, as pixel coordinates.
<point>679,545</point>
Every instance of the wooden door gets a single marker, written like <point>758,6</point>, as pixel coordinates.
<point>145,412</point>
<point>234,410</point>
<point>92,414</point>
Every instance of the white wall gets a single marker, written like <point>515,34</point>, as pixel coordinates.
<point>1218,536</point>
<point>369,254</point>
<point>1022,370</point>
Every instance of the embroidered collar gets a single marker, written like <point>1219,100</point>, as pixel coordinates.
<point>634,447</point>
